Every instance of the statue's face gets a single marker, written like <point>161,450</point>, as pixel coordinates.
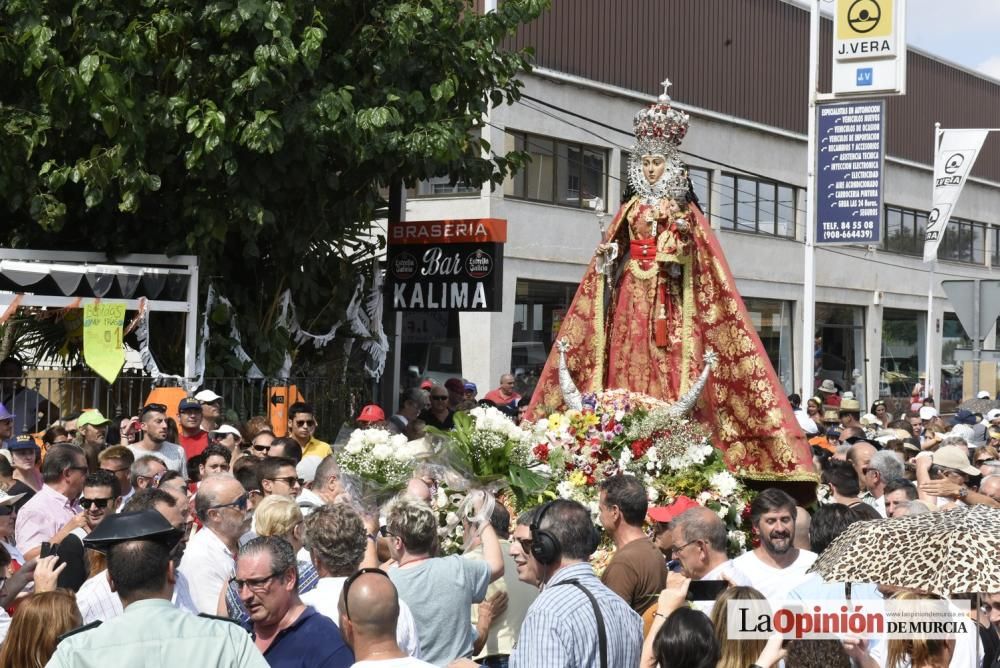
<point>652,167</point>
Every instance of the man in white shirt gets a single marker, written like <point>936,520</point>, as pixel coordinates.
<point>883,466</point>
<point>154,440</point>
<point>700,540</point>
<point>777,566</point>
<point>339,544</point>
<point>96,600</point>
<point>210,557</point>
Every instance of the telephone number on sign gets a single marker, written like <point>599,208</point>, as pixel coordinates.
<point>848,235</point>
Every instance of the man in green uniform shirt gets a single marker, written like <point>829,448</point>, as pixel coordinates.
<point>151,632</point>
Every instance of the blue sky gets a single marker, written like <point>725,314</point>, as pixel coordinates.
<point>966,32</point>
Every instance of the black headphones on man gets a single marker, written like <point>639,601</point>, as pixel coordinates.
<point>545,547</point>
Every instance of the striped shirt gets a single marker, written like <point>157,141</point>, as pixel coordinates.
<point>560,629</point>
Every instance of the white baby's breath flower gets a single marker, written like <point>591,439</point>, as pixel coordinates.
<point>565,489</point>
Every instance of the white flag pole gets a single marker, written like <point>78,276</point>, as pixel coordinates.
<point>930,381</point>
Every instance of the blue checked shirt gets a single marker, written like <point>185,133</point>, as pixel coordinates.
<point>560,629</point>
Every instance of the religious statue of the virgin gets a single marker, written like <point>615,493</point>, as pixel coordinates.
<point>658,295</point>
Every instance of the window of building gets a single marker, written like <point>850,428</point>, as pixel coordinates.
<point>753,205</point>
<point>701,182</point>
<point>539,308</point>
<point>840,348</point>
<point>772,318</point>
<point>563,173</point>
<point>441,186</point>
<point>904,346</point>
<point>964,240</point>
<point>430,347</point>
<point>953,336</point>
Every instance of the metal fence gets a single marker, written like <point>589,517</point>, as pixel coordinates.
<point>70,392</point>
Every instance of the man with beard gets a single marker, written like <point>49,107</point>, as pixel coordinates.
<point>154,440</point>
<point>192,437</point>
<point>776,566</point>
<point>92,427</point>
<point>221,504</point>
<point>100,498</point>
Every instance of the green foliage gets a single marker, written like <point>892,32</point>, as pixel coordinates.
<point>256,134</point>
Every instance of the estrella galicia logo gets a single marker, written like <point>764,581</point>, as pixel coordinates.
<point>954,163</point>
<point>933,216</point>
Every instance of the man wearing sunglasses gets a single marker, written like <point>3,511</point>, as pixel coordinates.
<point>302,427</point>
<point>278,476</point>
<point>221,504</point>
<point>261,444</point>
<point>100,498</point>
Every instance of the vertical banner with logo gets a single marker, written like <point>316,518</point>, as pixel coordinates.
<point>446,265</point>
<point>869,47</point>
<point>954,156</point>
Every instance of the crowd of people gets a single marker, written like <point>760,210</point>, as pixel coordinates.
<point>227,545</point>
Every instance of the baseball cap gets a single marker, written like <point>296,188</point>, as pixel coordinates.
<point>226,429</point>
<point>471,387</point>
<point>371,413</point>
<point>928,413</point>
<point>306,469</point>
<point>963,416</point>
<point>188,404</point>
<point>665,514</point>
<point>4,413</point>
<point>92,417</point>
<point>426,385</point>
<point>207,396</point>
<point>954,457</point>
<point>21,442</point>
<point>983,394</point>
<point>993,414</point>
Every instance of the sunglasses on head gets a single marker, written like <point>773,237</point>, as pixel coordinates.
<point>154,408</point>
<point>350,581</point>
<point>100,503</point>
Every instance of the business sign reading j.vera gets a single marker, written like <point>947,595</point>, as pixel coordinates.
<point>446,265</point>
<point>850,172</point>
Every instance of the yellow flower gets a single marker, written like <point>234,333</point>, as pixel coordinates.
<point>577,479</point>
<point>589,420</point>
<point>555,421</point>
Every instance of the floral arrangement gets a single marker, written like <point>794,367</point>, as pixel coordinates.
<point>376,456</point>
<point>487,450</point>
<point>622,432</point>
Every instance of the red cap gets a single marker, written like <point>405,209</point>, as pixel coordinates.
<point>666,514</point>
<point>426,385</point>
<point>371,413</point>
<point>455,385</point>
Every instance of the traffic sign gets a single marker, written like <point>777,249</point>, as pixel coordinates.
<point>968,355</point>
<point>978,322</point>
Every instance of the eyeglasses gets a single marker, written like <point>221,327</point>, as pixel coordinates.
<point>261,448</point>
<point>100,503</point>
<point>350,581</point>
<point>124,468</point>
<point>289,480</point>
<point>676,549</point>
<point>240,503</point>
<point>255,584</point>
<point>525,544</point>
<point>434,398</point>
<point>305,423</point>
<point>71,433</point>
<point>384,531</point>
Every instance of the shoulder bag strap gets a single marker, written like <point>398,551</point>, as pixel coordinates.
<point>602,637</point>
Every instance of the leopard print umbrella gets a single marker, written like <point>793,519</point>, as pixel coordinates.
<point>949,552</point>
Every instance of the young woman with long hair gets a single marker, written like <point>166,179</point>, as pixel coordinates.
<point>39,621</point>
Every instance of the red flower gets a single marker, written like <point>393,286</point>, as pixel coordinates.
<point>591,480</point>
<point>541,451</point>
<point>640,447</point>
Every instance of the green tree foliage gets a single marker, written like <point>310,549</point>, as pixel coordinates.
<point>254,133</point>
